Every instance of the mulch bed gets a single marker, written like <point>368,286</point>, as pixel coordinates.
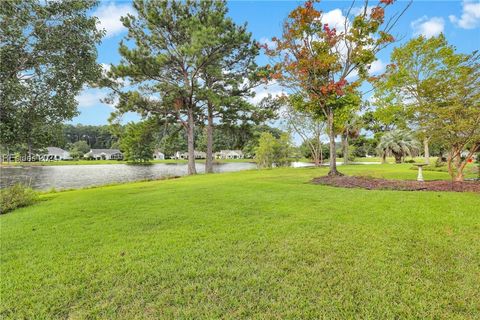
<point>404,185</point>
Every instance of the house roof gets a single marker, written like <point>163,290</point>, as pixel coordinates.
<point>104,151</point>
<point>56,151</point>
<point>231,151</point>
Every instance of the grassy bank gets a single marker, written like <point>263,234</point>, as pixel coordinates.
<point>254,244</point>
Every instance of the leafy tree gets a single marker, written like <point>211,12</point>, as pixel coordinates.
<point>408,84</point>
<point>79,149</point>
<point>96,137</point>
<point>47,54</point>
<point>398,143</point>
<point>306,150</point>
<point>375,122</point>
<point>265,152</point>
<point>364,146</point>
<point>283,150</point>
<point>454,114</point>
<point>137,142</point>
<point>315,59</point>
<point>253,138</point>
<point>308,126</point>
<point>273,151</point>
<point>348,123</point>
<point>438,91</point>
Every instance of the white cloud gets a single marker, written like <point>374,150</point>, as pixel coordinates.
<point>271,44</point>
<point>428,27</point>
<point>378,66</point>
<point>91,97</point>
<point>273,88</point>
<point>358,10</point>
<point>334,19</point>
<point>106,67</point>
<point>470,17</point>
<point>109,15</point>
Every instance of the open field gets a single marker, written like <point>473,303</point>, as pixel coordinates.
<point>253,244</point>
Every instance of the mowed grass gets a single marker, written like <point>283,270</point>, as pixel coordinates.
<point>254,244</point>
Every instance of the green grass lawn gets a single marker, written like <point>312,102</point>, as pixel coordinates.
<point>253,244</point>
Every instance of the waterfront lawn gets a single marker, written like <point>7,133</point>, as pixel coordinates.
<point>254,244</point>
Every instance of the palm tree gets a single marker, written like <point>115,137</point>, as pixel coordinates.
<point>398,143</point>
<point>350,129</point>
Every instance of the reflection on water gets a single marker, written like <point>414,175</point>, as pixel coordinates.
<point>79,176</point>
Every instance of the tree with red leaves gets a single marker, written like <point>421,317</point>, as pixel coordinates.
<point>314,59</point>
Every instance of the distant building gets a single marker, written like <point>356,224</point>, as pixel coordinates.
<point>184,155</point>
<point>229,154</point>
<point>104,154</point>
<point>465,154</point>
<point>54,153</point>
<point>158,155</point>
<point>178,155</point>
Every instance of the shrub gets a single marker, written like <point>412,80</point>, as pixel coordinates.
<point>272,151</point>
<point>15,197</point>
<point>265,152</point>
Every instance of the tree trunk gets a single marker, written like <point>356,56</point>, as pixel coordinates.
<point>345,148</point>
<point>449,165</point>
<point>30,150</point>
<point>398,157</point>
<point>209,160</point>
<point>316,158</point>
<point>426,149</point>
<point>459,177</point>
<point>384,157</point>
<point>191,143</point>
<point>321,153</point>
<point>333,154</point>
<point>462,164</point>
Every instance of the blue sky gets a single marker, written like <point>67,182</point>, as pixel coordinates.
<point>458,20</point>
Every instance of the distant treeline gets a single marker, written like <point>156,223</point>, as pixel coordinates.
<point>167,139</point>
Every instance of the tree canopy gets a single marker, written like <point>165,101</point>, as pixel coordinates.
<point>315,59</point>
<point>47,54</point>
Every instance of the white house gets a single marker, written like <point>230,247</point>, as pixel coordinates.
<point>104,154</point>
<point>54,153</point>
<point>178,155</point>
<point>184,155</point>
<point>157,155</point>
<point>230,154</point>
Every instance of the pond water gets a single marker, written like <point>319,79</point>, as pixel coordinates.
<point>79,176</point>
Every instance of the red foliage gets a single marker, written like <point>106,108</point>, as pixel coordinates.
<point>334,87</point>
<point>391,66</point>
<point>387,2</point>
<point>377,13</point>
